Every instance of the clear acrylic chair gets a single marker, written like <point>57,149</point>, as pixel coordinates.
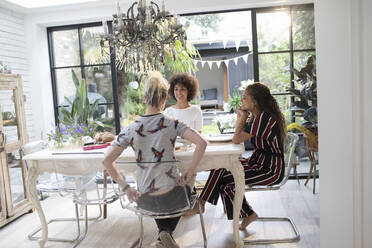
<point>82,189</point>
<point>85,192</point>
<point>160,203</point>
<point>289,156</point>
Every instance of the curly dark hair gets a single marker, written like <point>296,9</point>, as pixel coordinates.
<point>188,81</point>
<point>266,102</point>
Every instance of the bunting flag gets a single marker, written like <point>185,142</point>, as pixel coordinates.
<point>237,44</point>
<point>224,43</point>
<point>236,61</point>
<point>245,58</point>
<point>226,63</point>
<point>210,63</point>
<point>218,62</point>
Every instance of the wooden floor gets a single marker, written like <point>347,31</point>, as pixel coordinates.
<point>121,228</point>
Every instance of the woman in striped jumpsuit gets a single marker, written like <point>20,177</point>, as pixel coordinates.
<point>265,127</point>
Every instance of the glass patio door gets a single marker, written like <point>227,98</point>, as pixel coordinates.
<point>12,137</point>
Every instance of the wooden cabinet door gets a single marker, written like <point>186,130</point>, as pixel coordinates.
<point>14,134</point>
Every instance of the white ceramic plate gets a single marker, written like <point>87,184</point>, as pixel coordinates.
<point>178,145</point>
<point>219,137</point>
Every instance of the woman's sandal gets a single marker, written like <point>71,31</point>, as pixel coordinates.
<point>195,210</point>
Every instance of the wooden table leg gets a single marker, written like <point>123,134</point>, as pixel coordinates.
<point>314,178</point>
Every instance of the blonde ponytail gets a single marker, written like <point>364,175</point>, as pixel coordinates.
<point>156,88</point>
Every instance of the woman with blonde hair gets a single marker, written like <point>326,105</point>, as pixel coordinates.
<point>150,133</point>
<point>259,120</point>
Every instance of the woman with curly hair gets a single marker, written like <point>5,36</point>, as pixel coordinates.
<point>259,120</point>
<point>183,89</point>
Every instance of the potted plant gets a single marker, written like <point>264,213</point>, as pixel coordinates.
<point>73,135</point>
<point>307,93</point>
<point>306,101</point>
<point>81,112</point>
<point>234,101</point>
<point>78,121</point>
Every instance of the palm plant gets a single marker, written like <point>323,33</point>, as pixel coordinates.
<point>82,112</point>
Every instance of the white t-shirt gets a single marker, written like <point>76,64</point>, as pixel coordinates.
<point>191,116</point>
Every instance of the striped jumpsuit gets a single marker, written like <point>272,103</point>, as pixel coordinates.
<point>264,167</point>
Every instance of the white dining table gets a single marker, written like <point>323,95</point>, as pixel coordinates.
<point>78,162</point>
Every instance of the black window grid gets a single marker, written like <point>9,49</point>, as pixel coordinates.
<point>255,52</point>
<point>81,66</point>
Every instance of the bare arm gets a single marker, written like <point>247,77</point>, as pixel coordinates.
<point>201,144</point>
<point>240,135</point>
<point>108,162</point>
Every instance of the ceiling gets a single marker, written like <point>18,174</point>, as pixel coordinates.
<point>30,6</point>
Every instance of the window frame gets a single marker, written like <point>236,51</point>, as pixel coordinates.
<point>256,53</point>
<point>82,66</point>
<point>115,103</point>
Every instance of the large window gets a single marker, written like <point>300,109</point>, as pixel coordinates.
<point>260,44</point>
<point>222,36</point>
<point>276,39</point>
<point>76,49</point>
<point>285,39</point>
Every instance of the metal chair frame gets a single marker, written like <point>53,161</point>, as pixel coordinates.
<point>288,158</point>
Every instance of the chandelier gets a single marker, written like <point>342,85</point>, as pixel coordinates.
<point>143,37</point>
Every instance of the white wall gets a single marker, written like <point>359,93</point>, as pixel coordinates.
<point>42,98</point>
<point>13,53</point>
<point>335,123</point>
<point>343,38</point>
<point>366,109</point>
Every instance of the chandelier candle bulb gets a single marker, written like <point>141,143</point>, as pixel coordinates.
<point>118,9</point>
<point>163,6</point>
<point>176,19</point>
<point>105,28</point>
<point>165,28</point>
<point>148,15</point>
<point>141,35</point>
